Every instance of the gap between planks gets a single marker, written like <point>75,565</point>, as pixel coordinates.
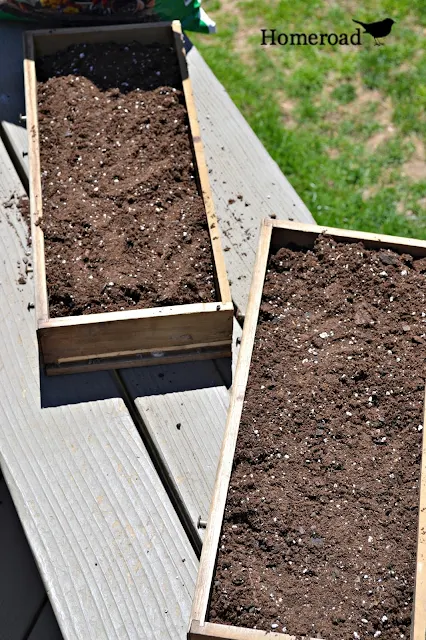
<point>46,627</point>
<point>182,410</point>
<point>22,593</point>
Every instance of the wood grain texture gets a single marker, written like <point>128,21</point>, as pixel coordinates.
<point>36,202</point>
<point>285,232</point>
<point>226,632</point>
<point>15,140</point>
<point>221,277</point>
<point>224,469</point>
<point>46,627</point>
<point>239,165</point>
<point>21,589</point>
<point>143,360</point>
<point>149,331</point>
<point>183,408</point>
<point>106,539</point>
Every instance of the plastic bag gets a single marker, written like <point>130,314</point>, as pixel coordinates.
<point>97,12</point>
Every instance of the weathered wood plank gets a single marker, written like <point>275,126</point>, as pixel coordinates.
<point>110,548</point>
<point>21,590</point>
<point>15,139</point>
<point>418,629</point>
<point>239,166</point>
<point>221,277</point>
<point>46,627</point>
<point>208,557</point>
<point>183,408</point>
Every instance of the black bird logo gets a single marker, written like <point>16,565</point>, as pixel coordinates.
<point>378,30</point>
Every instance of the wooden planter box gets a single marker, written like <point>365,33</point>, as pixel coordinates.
<point>276,234</point>
<point>124,338</point>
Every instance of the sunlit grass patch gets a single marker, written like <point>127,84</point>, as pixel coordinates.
<point>347,125</point>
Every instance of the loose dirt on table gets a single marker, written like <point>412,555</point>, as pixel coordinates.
<point>123,220</point>
<point>320,528</point>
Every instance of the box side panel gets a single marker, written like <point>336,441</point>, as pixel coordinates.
<point>217,507</point>
<point>127,337</point>
<point>228,632</point>
<point>418,631</point>
<point>48,42</point>
<point>41,303</point>
<point>174,356</point>
<point>222,283</point>
<point>300,235</point>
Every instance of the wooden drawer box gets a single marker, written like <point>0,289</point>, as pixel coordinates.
<point>275,235</point>
<point>135,337</point>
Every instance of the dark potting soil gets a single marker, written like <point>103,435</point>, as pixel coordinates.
<point>320,529</point>
<point>123,220</point>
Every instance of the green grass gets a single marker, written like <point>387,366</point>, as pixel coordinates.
<point>345,124</point>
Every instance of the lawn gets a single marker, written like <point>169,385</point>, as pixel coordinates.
<point>346,124</point>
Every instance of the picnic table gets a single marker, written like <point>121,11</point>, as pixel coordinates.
<point>100,493</point>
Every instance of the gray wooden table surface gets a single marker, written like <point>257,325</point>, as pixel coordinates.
<point>108,491</point>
